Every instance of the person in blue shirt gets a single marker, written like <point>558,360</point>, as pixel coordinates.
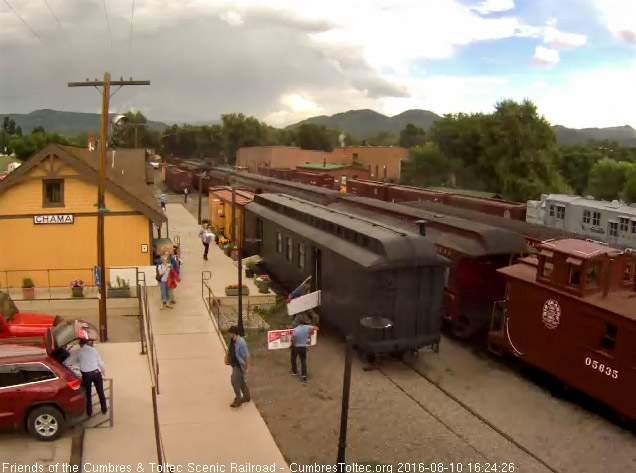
<point>300,339</point>
<point>162,202</point>
<point>238,357</point>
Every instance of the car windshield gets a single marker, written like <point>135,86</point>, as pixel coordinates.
<point>7,307</point>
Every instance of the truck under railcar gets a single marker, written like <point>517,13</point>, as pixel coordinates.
<point>572,313</point>
<point>363,268</point>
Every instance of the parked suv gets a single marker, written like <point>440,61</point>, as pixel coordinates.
<point>38,392</point>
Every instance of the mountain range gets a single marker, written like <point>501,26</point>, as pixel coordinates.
<point>358,123</point>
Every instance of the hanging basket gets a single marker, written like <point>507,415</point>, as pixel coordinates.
<point>77,291</point>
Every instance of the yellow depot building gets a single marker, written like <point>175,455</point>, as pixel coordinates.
<point>48,216</point>
<point>220,210</point>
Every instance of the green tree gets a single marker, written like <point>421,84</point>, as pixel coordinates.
<point>382,138</point>
<point>38,129</point>
<point>608,179</point>
<point>412,136</point>
<point>240,131</point>
<point>5,124</point>
<point>11,127</point>
<point>427,166</point>
<point>575,164</point>
<point>629,191</point>
<point>18,130</point>
<point>317,137</point>
<point>26,145</point>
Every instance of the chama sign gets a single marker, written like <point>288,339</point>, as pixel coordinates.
<point>53,219</point>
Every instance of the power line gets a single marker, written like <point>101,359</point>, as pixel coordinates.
<point>53,14</point>
<point>24,21</point>
<point>108,24</point>
<point>132,19</point>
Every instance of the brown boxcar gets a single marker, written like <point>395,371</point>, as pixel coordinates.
<point>501,208</point>
<point>178,179</point>
<point>571,312</point>
<point>397,193</point>
<point>367,188</point>
<point>280,173</point>
<point>314,179</point>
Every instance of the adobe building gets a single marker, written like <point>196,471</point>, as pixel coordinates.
<point>383,162</point>
<point>48,215</point>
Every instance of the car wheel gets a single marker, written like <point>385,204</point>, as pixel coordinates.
<point>45,423</point>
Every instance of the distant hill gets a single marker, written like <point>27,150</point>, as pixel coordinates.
<point>67,123</point>
<point>365,123</point>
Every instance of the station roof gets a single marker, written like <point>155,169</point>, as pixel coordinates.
<point>397,247</point>
<point>125,174</point>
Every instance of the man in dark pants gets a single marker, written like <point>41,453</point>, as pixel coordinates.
<point>238,357</point>
<point>92,368</point>
<point>300,338</point>
<point>186,191</point>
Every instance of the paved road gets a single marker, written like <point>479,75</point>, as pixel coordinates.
<point>22,449</point>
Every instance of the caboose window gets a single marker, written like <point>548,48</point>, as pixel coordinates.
<point>547,268</point>
<point>575,274</point>
<point>609,339</point>
<point>592,274</point>
<point>279,243</point>
<point>628,275</point>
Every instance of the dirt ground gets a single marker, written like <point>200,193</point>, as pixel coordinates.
<point>498,414</point>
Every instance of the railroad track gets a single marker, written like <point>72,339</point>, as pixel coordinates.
<point>471,411</point>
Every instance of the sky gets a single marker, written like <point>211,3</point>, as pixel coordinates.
<point>286,60</point>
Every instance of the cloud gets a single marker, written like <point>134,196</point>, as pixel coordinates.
<point>494,6</point>
<point>619,17</point>
<point>545,56</point>
<point>557,39</point>
<point>232,18</point>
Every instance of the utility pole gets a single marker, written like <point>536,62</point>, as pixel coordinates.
<point>344,412</point>
<point>239,247</point>
<point>200,192</point>
<point>101,204</point>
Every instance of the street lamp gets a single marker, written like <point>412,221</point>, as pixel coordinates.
<point>372,325</point>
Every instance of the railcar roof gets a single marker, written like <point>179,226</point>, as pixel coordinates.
<point>400,247</point>
<point>578,248</point>
<point>622,303</point>
<point>494,240</point>
<point>537,232</point>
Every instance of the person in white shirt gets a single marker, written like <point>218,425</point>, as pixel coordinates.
<point>92,368</point>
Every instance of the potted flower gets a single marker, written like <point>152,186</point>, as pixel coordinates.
<point>120,289</point>
<point>77,288</point>
<point>222,241</point>
<point>263,283</point>
<point>28,288</point>
<point>228,249</point>
<point>233,290</point>
<point>249,269</point>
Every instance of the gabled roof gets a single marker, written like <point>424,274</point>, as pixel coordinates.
<point>125,174</point>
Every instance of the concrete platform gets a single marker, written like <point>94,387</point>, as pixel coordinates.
<point>80,307</point>
<point>197,424</point>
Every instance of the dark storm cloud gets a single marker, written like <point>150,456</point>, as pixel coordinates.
<point>199,66</point>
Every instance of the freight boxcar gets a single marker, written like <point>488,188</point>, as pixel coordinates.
<point>315,179</point>
<point>397,193</point>
<point>178,179</point>
<point>367,188</point>
<point>362,267</point>
<point>572,313</point>
<point>282,173</point>
<point>475,250</point>
<point>501,208</point>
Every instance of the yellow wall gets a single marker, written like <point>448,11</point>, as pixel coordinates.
<point>35,248</point>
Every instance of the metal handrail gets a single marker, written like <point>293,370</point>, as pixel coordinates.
<point>212,305</point>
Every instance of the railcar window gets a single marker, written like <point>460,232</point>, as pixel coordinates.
<point>279,243</point>
<point>301,255</point>
<point>609,339</point>
<point>575,274</point>
<point>587,216</point>
<point>548,267</point>
<point>592,273</point>
<point>290,249</point>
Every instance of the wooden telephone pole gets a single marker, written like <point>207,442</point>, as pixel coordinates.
<point>101,204</point>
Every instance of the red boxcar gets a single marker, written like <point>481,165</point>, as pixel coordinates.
<point>281,173</point>
<point>571,312</point>
<point>178,179</point>
<point>397,193</point>
<point>314,179</point>
<point>367,188</point>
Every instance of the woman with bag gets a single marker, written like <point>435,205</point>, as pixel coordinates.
<point>163,273</point>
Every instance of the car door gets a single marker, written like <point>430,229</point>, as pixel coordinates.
<point>11,402</point>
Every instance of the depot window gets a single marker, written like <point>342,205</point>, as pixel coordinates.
<point>587,216</point>
<point>613,229</point>
<point>596,218</point>
<point>633,226</point>
<point>53,193</point>
<point>624,222</point>
<point>551,210</point>
<point>609,339</point>
<point>560,212</point>
<point>301,255</point>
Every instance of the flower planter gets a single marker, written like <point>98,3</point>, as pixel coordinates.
<point>249,273</point>
<point>234,255</point>
<point>28,293</point>
<point>118,292</point>
<point>263,288</point>
<point>235,291</point>
<point>77,291</point>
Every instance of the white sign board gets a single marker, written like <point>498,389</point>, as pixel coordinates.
<point>279,339</point>
<point>52,219</point>
<point>303,303</point>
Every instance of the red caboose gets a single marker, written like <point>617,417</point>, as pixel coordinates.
<point>571,312</point>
